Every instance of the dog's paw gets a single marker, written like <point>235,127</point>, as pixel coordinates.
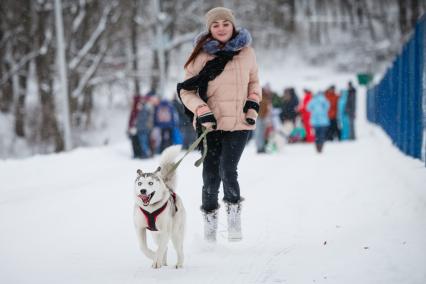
<point>178,265</point>
<point>156,264</point>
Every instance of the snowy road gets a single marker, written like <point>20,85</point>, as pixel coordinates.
<point>356,214</point>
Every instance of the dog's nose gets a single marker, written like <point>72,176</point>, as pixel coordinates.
<point>143,191</point>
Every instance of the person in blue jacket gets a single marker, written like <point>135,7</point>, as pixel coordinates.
<point>342,116</point>
<point>318,107</point>
<point>144,125</point>
<point>165,118</point>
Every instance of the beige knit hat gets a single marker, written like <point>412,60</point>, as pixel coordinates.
<point>219,13</point>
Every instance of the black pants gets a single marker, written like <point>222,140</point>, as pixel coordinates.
<point>333,130</point>
<point>166,138</point>
<point>352,126</point>
<point>137,151</point>
<point>320,134</point>
<point>224,152</point>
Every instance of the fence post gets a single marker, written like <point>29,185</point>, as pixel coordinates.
<point>422,32</point>
<point>399,112</point>
<point>418,94</point>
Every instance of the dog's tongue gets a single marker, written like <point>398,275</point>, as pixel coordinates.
<point>145,198</point>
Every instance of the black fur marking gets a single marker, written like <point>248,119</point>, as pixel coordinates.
<point>149,175</point>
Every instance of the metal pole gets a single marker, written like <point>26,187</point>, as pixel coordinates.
<point>62,65</point>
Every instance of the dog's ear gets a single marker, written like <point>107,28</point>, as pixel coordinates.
<point>157,170</point>
<point>139,172</point>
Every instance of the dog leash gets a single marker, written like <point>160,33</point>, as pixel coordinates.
<point>192,148</point>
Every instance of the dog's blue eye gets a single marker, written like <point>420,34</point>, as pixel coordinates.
<point>150,183</point>
<point>139,183</point>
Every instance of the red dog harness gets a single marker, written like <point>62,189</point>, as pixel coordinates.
<point>151,217</point>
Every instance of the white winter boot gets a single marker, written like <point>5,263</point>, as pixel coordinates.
<point>210,225</point>
<point>233,212</point>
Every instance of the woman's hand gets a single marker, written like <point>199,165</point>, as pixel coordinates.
<point>251,116</point>
<point>251,109</point>
<point>205,117</point>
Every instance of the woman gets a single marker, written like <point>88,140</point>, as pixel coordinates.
<point>223,69</point>
<point>319,107</point>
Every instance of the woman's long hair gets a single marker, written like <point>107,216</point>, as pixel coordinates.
<point>199,46</point>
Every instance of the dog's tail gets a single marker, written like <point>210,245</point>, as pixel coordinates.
<point>167,160</point>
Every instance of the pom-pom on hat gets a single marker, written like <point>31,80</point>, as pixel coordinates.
<point>219,13</point>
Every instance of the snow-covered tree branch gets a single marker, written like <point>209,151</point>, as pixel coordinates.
<point>100,29</point>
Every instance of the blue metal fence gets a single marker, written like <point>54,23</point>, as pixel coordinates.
<point>398,102</point>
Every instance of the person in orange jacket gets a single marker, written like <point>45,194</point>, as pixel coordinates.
<point>333,130</point>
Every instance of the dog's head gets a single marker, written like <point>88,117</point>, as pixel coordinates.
<point>149,187</point>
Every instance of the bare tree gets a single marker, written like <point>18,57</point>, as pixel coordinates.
<point>403,16</point>
<point>6,94</point>
<point>134,45</point>
<point>415,11</point>
<point>106,40</point>
<point>23,47</point>
<point>49,130</point>
<point>15,47</point>
<point>291,23</point>
<point>369,18</point>
<point>175,31</point>
<point>87,48</point>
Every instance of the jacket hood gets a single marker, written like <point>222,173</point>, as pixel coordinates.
<point>241,40</point>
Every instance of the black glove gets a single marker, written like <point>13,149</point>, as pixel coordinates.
<point>251,109</point>
<point>205,117</point>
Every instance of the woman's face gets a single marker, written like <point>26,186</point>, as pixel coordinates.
<point>221,30</point>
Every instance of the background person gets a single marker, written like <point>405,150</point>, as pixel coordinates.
<point>319,108</point>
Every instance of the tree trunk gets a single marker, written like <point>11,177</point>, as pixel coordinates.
<point>49,129</point>
<point>360,11</point>
<point>155,72</point>
<point>87,106</point>
<point>20,107</point>
<point>369,20</point>
<point>321,23</point>
<point>309,14</point>
<point>6,92</point>
<point>415,12</point>
<point>22,49</point>
<point>403,19</point>
<point>292,20</point>
<point>350,10</point>
<point>383,18</point>
<point>134,47</point>
<point>344,15</point>
<point>327,18</point>
<point>73,78</point>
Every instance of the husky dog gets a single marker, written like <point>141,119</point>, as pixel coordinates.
<point>160,210</point>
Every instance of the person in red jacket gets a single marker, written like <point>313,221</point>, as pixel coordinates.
<point>333,130</point>
<point>131,128</point>
<point>306,116</point>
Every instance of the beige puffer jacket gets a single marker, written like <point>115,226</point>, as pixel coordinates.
<point>228,92</point>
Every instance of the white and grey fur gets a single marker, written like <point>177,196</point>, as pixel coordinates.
<point>170,223</point>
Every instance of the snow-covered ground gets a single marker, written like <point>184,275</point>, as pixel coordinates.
<point>355,214</point>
